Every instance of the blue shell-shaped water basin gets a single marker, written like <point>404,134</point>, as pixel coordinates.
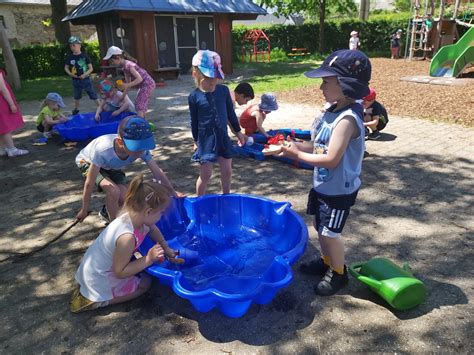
<point>82,127</point>
<point>244,246</point>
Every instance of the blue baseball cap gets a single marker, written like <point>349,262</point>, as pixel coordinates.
<point>73,40</point>
<point>55,97</point>
<point>352,69</point>
<point>136,134</point>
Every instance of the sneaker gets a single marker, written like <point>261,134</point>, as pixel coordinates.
<point>374,135</point>
<point>15,152</point>
<point>104,215</point>
<point>331,283</point>
<point>315,267</point>
<point>75,111</point>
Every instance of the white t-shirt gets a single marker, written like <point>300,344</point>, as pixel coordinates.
<point>95,276</point>
<point>354,43</point>
<point>116,101</point>
<point>101,153</point>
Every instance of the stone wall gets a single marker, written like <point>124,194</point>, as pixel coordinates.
<point>31,24</point>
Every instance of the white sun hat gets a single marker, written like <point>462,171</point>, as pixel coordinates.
<point>112,51</point>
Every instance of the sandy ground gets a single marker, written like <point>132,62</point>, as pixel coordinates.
<point>416,206</point>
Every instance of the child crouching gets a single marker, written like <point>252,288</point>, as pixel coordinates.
<point>107,275</point>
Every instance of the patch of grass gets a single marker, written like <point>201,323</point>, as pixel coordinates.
<point>278,76</point>
<point>37,89</point>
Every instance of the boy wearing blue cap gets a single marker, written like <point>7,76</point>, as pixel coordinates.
<point>79,66</point>
<point>50,114</point>
<point>101,162</point>
<point>336,151</point>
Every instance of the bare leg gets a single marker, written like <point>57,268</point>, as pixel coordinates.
<point>76,104</point>
<point>142,114</point>
<point>112,197</point>
<point>335,248</point>
<point>225,166</point>
<point>144,286</point>
<point>6,141</point>
<point>203,179</point>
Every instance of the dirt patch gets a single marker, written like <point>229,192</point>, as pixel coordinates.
<point>434,102</point>
<point>416,205</point>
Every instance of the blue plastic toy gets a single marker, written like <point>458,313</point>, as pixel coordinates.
<point>82,127</point>
<point>294,133</point>
<point>255,151</point>
<point>240,249</point>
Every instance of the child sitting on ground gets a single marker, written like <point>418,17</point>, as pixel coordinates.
<point>375,115</point>
<point>252,118</point>
<point>102,160</point>
<point>336,152</point>
<point>108,274</point>
<point>50,114</point>
<point>113,100</point>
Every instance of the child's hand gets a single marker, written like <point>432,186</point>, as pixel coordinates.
<point>170,253</point>
<point>289,149</point>
<point>97,117</point>
<point>115,113</point>
<point>82,214</point>
<point>242,138</point>
<point>13,108</point>
<point>155,254</point>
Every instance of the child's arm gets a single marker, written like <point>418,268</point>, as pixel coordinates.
<point>158,238</point>
<point>344,131</point>
<point>259,120</point>
<point>6,94</point>
<point>233,120</point>
<point>51,121</point>
<point>68,72</point>
<point>374,120</point>
<point>124,105</point>
<point>100,108</point>
<point>90,69</point>
<point>159,175</point>
<point>123,267</point>
<point>86,194</point>
<point>193,111</point>
<point>137,81</point>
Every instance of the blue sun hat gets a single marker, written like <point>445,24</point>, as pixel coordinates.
<point>268,102</point>
<point>352,69</point>
<point>74,40</point>
<point>209,63</point>
<point>55,97</point>
<point>136,134</point>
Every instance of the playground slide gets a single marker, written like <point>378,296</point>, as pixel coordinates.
<point>451,60</point>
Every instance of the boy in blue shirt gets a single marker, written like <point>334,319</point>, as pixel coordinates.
<point>336,151</point>
<point>78,66</point>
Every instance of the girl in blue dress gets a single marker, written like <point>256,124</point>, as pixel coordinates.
<point>210,106</point>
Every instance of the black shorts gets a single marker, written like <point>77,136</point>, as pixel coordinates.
<point>330,212</point>
<point>116,176</point>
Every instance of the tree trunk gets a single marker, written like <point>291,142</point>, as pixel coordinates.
<point>322,17</point>
<point>61,29</point>
<point>364,10</point>
<point>10,61</point>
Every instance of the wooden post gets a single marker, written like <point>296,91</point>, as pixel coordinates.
<point>10,61</point>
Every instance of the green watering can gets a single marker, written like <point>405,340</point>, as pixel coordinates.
<point>394,284</point>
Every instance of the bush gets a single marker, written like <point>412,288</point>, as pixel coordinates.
<point>374,34</point>
<point>38,61</point>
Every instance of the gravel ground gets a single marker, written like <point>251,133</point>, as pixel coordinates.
<point>435,102</point>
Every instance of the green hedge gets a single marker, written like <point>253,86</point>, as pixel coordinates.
<point>374,35</point>
<point>48,60</point>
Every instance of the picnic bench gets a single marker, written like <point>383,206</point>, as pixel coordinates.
<point>299,52</point>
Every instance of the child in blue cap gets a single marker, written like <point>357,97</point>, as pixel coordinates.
<point>211,107</point>
<point>101,163</point>
<point>78,66</point>
<point>252,118</point>
<point>50,114</point>
<point>336,151</point>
